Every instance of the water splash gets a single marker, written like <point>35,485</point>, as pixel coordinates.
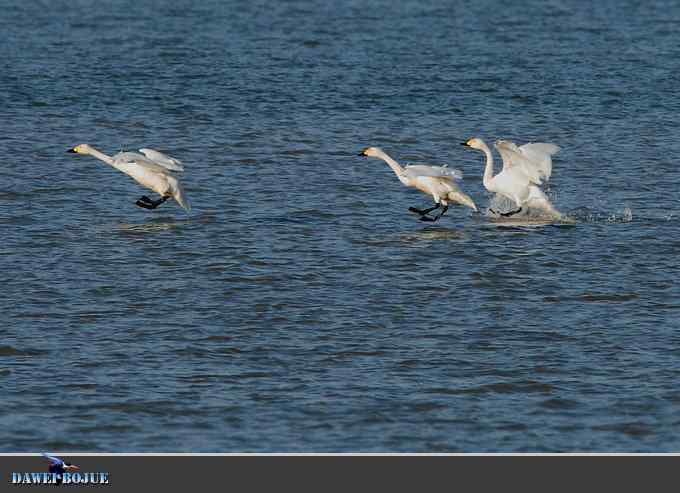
<point>585,214</point>
<point>500,205</point>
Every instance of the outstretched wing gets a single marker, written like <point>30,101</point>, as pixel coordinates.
<point>163,159</point>
<point>533,159</point>
<point>54,461</point>
<point>136,158</point>
<point>540,153</point>
<point>417,170</point>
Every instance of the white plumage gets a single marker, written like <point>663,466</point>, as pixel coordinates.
<point>524,168</point>
<point>436,181</point>
<point>152,169</point>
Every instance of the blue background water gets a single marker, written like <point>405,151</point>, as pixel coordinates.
<point>300,307</point>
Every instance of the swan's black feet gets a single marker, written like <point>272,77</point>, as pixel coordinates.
<point>146,203</point>
<point>511,213</point>
<point>424,212</point>
<point>506,214</point>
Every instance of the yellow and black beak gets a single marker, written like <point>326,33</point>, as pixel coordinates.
<point>72,150</point>
<point>362,153</point>
<point>465,144</point>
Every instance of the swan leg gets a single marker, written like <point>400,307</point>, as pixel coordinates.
<point>433,219</point>
<point>423,212</point>
<point>146,203</point>
<point>446,208</point>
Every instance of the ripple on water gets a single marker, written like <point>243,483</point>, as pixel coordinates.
<point>609,297</point>
<point>632,428</point>
<point>150,227</point>
<point>6,351</point>
<point>201,352</point>
<point>433,234</point>
<point>300,306</point>
<point>559,403</point>
<point>590,297</point>
<point>521,387</point>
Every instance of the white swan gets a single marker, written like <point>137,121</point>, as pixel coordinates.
<point>151,170</point>
<point>437,181</point>
<point>524,168</point>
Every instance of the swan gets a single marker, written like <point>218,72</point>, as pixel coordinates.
<point>524,168</point>
<point>150,169</point>
<point>437,181</point>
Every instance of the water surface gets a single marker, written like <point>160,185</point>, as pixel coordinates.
<point>300,307</point>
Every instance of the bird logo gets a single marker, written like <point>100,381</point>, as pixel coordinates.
<point>59,466</point>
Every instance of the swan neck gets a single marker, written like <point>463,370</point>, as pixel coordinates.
<point>398,170</point>
<point>101,156</point>
<point>488,170</point>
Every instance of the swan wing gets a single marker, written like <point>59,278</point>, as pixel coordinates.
<point>139,160</point>
<point>532,159</point>
<point>434,185</point>
<point>508,151</point>
<point>540,153</point>
<point>163,159</point>
<point>512,183</point>
<point>444,172</point>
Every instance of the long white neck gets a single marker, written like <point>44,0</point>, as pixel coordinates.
<point>398,170</point>
<point>102,157</point>
<point>488,170</point>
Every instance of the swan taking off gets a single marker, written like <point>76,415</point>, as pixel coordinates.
<point>150,169</point>
<point>524,168</point>
<point>437,181</point>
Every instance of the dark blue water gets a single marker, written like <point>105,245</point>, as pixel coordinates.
<point>300,307</point>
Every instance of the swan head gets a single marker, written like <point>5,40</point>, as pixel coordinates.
<point>371,152</point>
<point>81,149</point>
<point>475,143</point>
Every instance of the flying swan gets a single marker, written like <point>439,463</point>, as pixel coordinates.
<point>437,181</point>
<point>150,169</point>
<point>524,168</point>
